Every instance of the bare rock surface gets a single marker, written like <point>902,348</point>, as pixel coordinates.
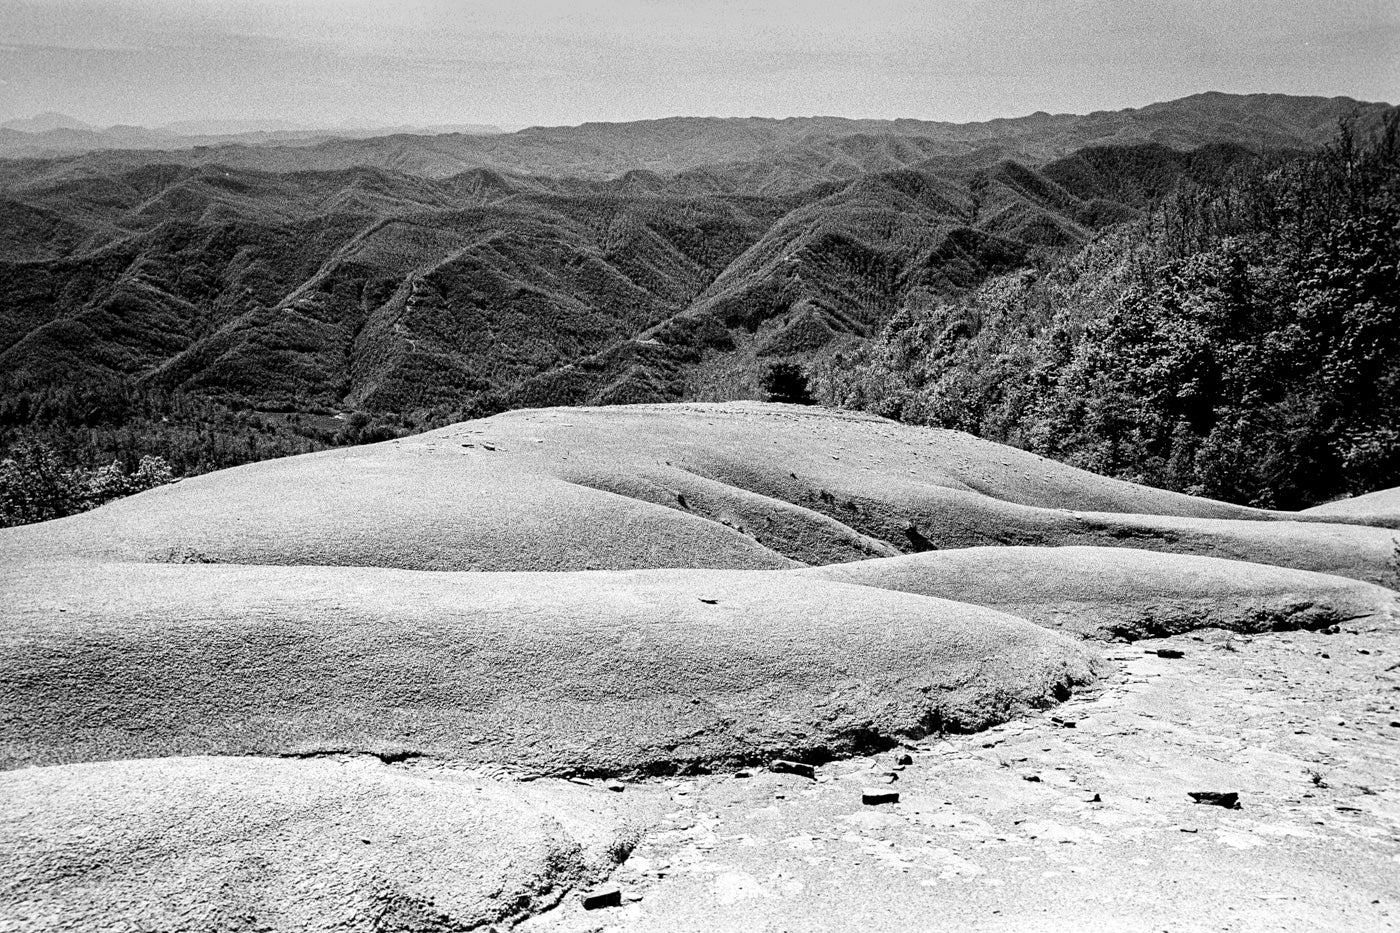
<point>414,718</point>
<point>1108,593</point>
<point>734,485</point>
<point>609,672</point>
<point>1381,507</point>
<point>1080,820</point>
<point>215,844</point>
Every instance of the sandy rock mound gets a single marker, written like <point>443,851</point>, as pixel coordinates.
<point>739,485</point>
<point>1381,508</point>
<point>1106,592</point>
<point>201,844</point>
<point>599,672</point>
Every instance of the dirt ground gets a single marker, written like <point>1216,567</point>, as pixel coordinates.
<point>1077,820</point>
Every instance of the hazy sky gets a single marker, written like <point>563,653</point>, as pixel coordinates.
<point>558,62</point>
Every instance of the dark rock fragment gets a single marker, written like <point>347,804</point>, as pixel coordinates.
<point>1230,800</point>
<point>800,768</point>
<point>602,897</point>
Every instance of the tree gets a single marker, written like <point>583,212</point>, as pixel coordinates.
<point>37,486</point>
<point>786,382</point>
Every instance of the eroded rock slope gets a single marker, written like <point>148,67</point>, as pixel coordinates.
<point>735,485</point>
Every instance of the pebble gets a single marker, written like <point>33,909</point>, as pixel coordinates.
<point>874,796</point>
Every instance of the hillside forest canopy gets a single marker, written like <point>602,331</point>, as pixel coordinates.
<point>1241,341</point>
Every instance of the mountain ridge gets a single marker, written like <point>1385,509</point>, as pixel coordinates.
<point>678,143</point>
<point>380,288</point>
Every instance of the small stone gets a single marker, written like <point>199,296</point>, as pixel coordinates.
<point>1095,799</point>
<point>1033,778</point>
<point>616,787</point>
<point>1188,829</point>
<point>1170,653</point>
<point>905,759</point>
<point>887,778</point>
<point>1230,800</point>
<point>602,897</point>
<point>744,773</point>
<point>632,897</point>
<point>800,768</point>
<point>874,796</point>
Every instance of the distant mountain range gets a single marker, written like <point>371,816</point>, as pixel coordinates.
<point>757,153</point>
<point>601,263</point>
<point>50,135</point>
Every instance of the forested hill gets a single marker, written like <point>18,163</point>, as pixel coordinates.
<point>219,305</point>
<point>1239,341</point>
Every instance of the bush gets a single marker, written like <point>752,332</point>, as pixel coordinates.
<point>786,382</point>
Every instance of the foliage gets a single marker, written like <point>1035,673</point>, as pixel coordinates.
<point>35,484</point>
<point>74,447</point>
<point>786,382</point>
<point>1240,342</point>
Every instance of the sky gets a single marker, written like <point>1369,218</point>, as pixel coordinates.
<point>558,62</point>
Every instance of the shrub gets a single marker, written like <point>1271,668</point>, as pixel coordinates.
<point>786,382</point>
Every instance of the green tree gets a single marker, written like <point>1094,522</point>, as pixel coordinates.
<point>786,382</point>
<point>35,486</point>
